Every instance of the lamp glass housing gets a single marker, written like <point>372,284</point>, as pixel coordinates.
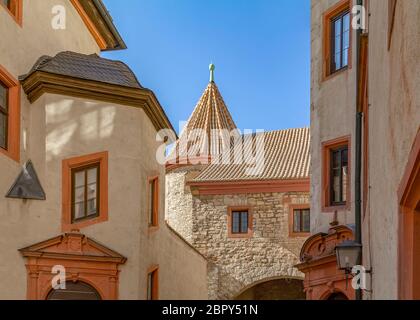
<point>348,254</point>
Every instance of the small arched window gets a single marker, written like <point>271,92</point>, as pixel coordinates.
<point>75,291</point>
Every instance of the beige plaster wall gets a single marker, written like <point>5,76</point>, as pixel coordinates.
<point>22,46</point>
<point>63,127</point>
<point>394,119</point>
<point>333,107</point>
<point>394,98</point>
<point>57,127</point>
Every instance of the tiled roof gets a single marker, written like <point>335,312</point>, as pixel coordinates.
<point>209,114</point>
<point>286,156</point>
<point>87,67</point>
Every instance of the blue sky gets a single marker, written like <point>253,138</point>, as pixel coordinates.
<point>261,49</point>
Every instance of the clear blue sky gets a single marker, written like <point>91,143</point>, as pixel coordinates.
<point>261,49</point>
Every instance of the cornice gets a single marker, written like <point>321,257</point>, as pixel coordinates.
<point>249,186</point>
<point>40,82</point>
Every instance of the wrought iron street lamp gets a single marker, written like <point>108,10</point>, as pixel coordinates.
<point>348,255</point>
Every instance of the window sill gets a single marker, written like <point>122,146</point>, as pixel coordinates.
<point>12,155</point>
<point>152,229</point>
<point>333,75</point>
<point>248,235</point>
<point>344,207</point>
<point>67,227</point>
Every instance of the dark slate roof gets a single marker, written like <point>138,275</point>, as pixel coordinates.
<point>88,67</point>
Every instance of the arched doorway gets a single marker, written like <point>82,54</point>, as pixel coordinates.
<point>337,296</point>
<point>279,289</point>
<point>75,291</point>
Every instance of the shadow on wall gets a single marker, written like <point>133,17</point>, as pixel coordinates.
<point>70,123</point>
<point>279,289</point>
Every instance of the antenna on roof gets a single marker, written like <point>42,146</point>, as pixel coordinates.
<point>212,67</point>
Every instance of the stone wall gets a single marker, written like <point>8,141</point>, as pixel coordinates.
<point>236,264</point>
<point>179,200</point>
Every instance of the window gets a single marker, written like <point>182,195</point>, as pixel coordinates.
<point>301,221</point>
<point>14,7</point>
<point>239,222</point>
<point>337,38</point>
<point>6,3</point>
<point>153,206</point>
<point>85,192</point>
<point>153,284</point>
<point>9,115</point>
<point>4,107</point>
<point>339,175</point>
<point>336,174</point>
<point>340,37</point>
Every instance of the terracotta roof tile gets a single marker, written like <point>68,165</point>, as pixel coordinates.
<point>209,114</point>
<point>286,156</point>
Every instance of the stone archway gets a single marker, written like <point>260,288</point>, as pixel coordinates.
<point>274,289</point>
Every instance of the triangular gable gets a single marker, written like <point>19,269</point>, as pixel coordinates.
<point>73,244</point>
<point>27,185</point>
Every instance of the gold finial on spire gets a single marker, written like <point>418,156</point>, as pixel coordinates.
<point>212,67</point>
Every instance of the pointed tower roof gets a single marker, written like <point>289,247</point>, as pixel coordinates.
<point>205,133</point>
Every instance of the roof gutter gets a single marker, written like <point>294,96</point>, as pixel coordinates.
<point>110,24</point>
